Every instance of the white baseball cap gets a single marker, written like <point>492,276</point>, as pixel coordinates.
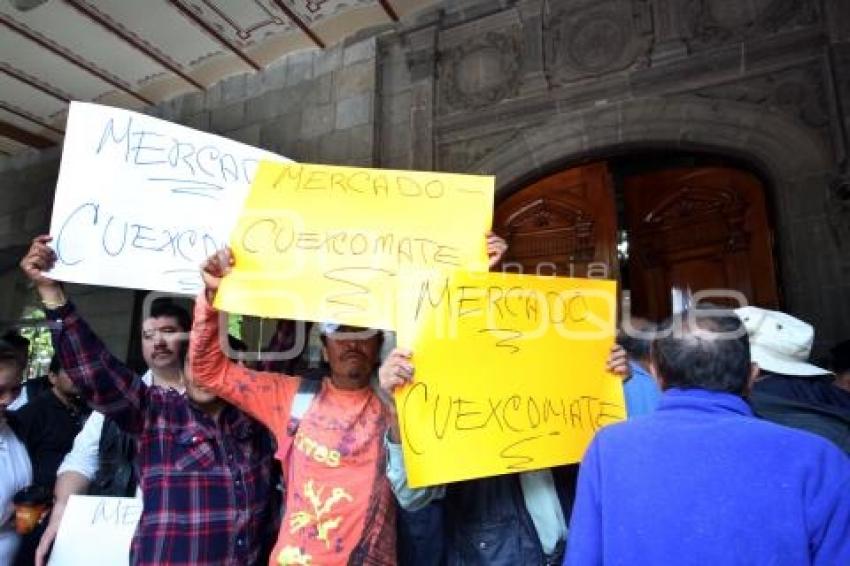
<point>779,343</point>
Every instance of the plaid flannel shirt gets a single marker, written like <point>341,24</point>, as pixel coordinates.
<point>206,483</point>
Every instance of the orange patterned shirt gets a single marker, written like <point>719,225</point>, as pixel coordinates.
<point>339,506</point>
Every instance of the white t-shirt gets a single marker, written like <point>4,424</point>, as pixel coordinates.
<point>15,474</point>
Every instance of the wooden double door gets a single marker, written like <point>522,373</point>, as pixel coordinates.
<point>686,229</point>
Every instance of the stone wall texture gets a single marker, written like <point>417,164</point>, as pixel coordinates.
<point>518,88</point>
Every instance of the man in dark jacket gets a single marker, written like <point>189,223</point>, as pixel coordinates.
<point>502,520</point>
<point>788,389</point>
<point>48,424</point>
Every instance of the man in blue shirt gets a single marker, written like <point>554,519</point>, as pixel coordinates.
<point>701,480</point>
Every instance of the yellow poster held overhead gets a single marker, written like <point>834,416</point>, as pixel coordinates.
<point>325,243</point>
<point>509,372</point>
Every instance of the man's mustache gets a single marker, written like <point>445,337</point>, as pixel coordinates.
<point>356,353</point>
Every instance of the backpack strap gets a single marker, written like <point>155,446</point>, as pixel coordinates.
<point>307,390</point>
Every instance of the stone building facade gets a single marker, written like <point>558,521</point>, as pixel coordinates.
<point>522,88</point>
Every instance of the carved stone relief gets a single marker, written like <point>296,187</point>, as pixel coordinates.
<point>590,38</point>
<point>480,72</point>
<point>26,5</point>
<point>711,22</point>
<point>461,156</point>
<point>799,91</point>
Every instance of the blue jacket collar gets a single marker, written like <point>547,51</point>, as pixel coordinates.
<point>703,400</point>
<point>638,370</point>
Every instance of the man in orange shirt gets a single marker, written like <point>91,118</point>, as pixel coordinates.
<point>339,507</point>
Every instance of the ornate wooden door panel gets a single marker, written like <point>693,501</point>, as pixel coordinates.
<point>562,224</point>
<point>702,228</point>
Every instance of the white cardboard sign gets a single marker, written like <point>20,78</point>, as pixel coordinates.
<point>96,530</point>
<point>141,202</point>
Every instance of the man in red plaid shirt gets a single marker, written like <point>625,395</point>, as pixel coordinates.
<point>204,467</point>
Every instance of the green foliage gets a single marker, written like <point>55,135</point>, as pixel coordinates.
<point>33,327</point>
<point>234,325</point>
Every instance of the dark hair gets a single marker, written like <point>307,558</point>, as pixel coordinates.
<point>54,366</point>
<point>14,338</point>
<point>637,345</point>
<point>10,353</point>
<point>165,307</point>
<point>704,349</point>
<point>19,343</point>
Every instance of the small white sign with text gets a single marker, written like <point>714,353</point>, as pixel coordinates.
<point>96,530</point>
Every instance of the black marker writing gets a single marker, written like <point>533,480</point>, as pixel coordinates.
<point>365,183</point>
<point>507,337</point>
<point>449,416</point>
<point>357,298</point>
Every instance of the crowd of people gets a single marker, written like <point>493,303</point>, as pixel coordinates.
<point>735,449</point>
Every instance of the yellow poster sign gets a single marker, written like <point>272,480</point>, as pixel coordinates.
<point>509,372</point>
<point>325,243</point>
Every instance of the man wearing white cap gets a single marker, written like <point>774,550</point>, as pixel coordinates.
<point>789,390</point>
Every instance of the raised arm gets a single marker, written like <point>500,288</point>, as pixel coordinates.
<point>104,381</point>
<point>265,396</point>
<point>496,248</point>
<point>397,371</point>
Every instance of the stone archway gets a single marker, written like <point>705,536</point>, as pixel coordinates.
<point>795,161</point>
<point>783,149</point>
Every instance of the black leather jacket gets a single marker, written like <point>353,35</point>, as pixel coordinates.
<point>116,475</point>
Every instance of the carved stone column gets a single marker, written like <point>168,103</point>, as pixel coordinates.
<point>838,20</point>
<point>667,20</point>
<point>838,23</point>
<point>838,195</point>
<point>422,59</point>
<point>533,73</point>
